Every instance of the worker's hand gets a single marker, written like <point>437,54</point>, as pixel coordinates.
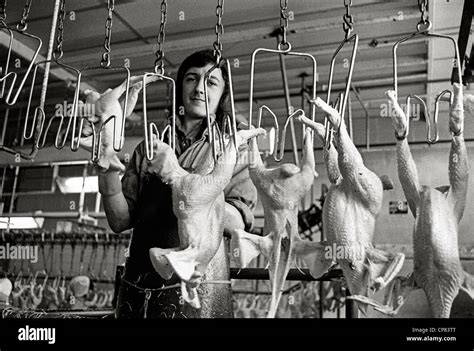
<point>101,107</point>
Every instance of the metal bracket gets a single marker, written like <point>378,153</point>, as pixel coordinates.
<point>280,51</point>
<point>432,137</point>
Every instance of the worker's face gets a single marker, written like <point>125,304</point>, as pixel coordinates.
<point>193,91</point>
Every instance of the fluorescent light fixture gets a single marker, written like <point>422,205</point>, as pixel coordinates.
<point>21,222</point>
<point>72,185</point>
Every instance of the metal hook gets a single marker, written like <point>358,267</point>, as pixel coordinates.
<point>283,133</point>
<point>212,126</point>
<point>6,74</point>
<point>277,127</point>
<point>39,111</point>
<point>233,119</point>
<point>9,100</point>
<point>328,127</point>
<point>330,133</point>
<point>438,99</point>
<point>217,134</point>
<point>152,126</point>
<point>279,141</point>
<point>280,51</point>
<point>117,144</point>
<point>456,64</point>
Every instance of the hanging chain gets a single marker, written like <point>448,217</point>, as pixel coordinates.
<point>3,11</point>
<point>105,63</point>
<point>219,29</point>
<point>348,24</point>
<point>283,24</point>
<point>424,23</point>
<point>160,54</point>
<point>26,11</point>
<point>58,52</point>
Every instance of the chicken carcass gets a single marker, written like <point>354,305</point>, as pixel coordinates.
<point>437,267</point>
<point>280,190</point>
<point>350,209</point>
<point>103,106</point>
<point>469,103</point>
<point>198,203</point>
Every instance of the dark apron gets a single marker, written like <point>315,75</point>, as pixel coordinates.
<point>147,295</point>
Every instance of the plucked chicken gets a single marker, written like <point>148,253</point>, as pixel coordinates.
<point>437,212</point>
<point>350,210</point>
<point>104,106</point>
<point>198,203</point>
<point>280,189</point>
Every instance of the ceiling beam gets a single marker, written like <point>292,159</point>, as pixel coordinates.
<point>126,50</point>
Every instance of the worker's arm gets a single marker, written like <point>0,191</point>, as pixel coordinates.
<point>115,205</point>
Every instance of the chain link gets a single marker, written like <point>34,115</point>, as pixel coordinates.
<point>283,24</point>
<point>424,23</point>
<point>26,12</point>
<point>3,13</point>
<point>219,29</point>
<point>105,63</point>
<point>160,54</point>
<point>58,52</point>
<point>348,24</point>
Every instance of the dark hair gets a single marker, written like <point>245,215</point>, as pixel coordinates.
<point>201,59</point>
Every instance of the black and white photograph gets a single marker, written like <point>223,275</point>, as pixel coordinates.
<point>227,162</point>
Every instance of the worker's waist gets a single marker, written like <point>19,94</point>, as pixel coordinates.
<point>145,276</point>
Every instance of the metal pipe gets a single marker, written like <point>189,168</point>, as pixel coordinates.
<point>293,274</point>
<point>349,115</point>
<point>83,189</point>
<point>15,181</point>
<point>351,307</point>
<point>303,107</point>
<point>288,106</point>
<point>3,182</point>
<point>64,214</point>
<point>2,204</point>
<point>7,113</point>
<point>54,163</point>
